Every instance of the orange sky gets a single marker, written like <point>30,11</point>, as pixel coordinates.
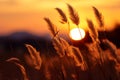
<point>27,15</point>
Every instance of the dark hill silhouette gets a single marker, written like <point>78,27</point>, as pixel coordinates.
<point>14,44</point>
<point>113,36</point>
<point>22,35</point>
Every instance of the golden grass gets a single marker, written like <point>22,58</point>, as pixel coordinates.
<point>63,15</point>
<point>98,16</point>
<point>97,55</point>
<point>73,15</point>
<point>51,27</point>
<point>34,58</point>
<point>16,61</point>
<point>92,30</point>
<point>71,62</point>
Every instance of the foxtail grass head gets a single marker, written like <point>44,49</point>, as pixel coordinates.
<point>73,15</point>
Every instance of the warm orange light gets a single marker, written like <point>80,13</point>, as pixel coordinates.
<point>77,34</point>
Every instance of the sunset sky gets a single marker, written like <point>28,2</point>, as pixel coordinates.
<point>27,15</point>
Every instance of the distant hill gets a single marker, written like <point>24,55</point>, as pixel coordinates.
<point>113,35</point>
<point>23,35</point>
<point>14,44</point>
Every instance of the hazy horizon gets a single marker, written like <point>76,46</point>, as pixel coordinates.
<point>27,15</point>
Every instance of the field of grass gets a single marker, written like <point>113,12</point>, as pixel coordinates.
<point>86,61</point>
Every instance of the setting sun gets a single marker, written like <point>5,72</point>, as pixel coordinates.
<point>77,34</point>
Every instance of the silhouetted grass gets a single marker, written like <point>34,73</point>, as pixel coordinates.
<point>70,62</point>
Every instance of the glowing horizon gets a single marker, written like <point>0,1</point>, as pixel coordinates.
<point>27,15</point>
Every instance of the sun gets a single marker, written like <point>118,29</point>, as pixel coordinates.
<point>77,33</point>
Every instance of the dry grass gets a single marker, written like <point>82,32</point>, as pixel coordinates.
<point>98,16</point>
<point>33,59</point>
<point>51,27</point>
<point>63,15</point>
<point>92,31</point>
<point>73,15</point>
<point>74,63</point>
<point>16,61</point>
<point>101,61</point>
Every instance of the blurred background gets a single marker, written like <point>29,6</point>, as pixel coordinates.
<point>21,22</point>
